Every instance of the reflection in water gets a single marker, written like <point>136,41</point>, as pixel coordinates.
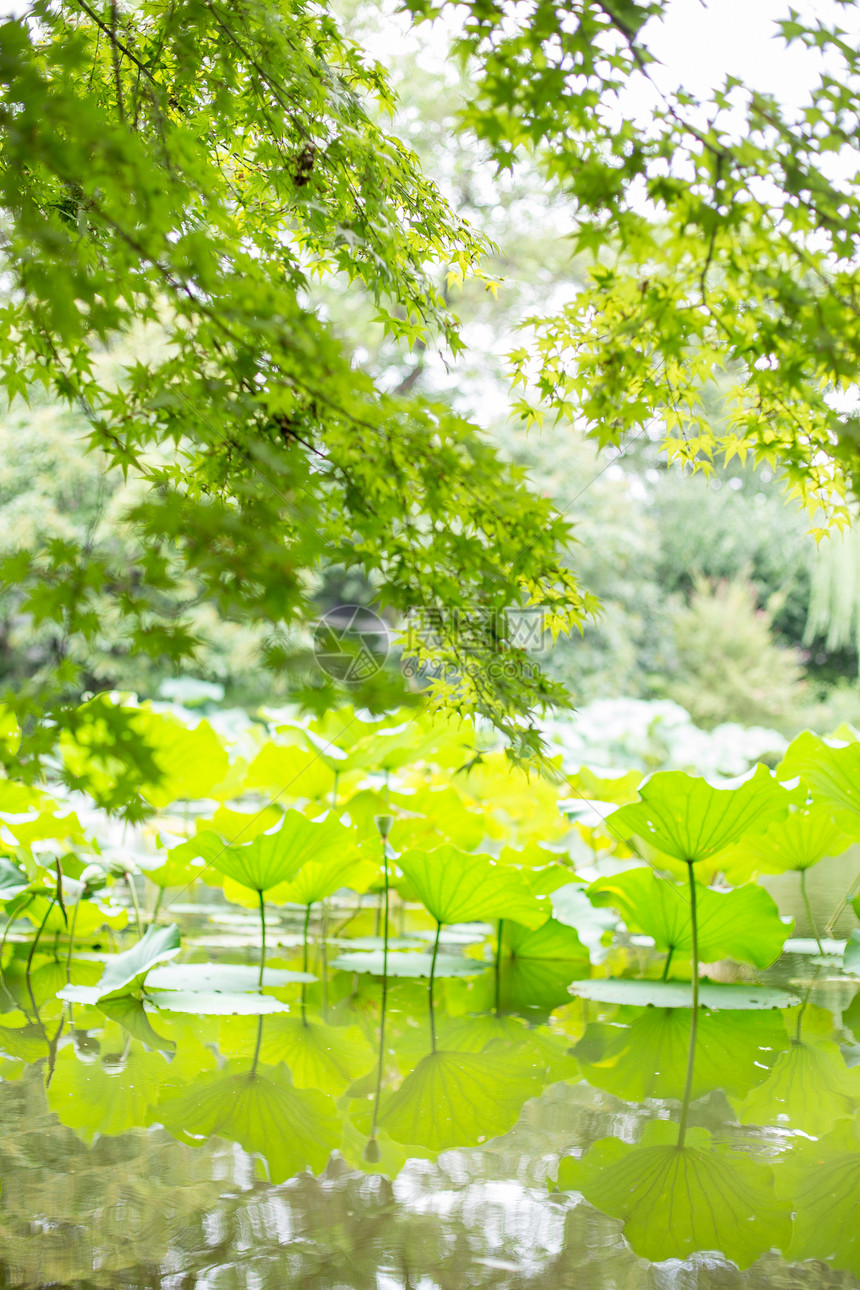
<point>576,1144</point>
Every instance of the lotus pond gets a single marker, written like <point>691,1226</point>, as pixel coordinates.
<point>424,1021</point>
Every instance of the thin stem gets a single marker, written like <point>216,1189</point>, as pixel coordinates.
<point>667,964</point>
<point>499,965</point>
<point>694,930</point>
<point>39,933</point>
<point>384,1001</point>
<point>324,960</point>
<point>849,895</point>
<point>430,986</point>
<point>130,883</point>
<point>334,789</point>
<point>72,940</point>
<point>263,945</point>
<point>694,1020</point>
<point>688,1086</point>
<point>157,906</point>
<point>805,894</point>
<point>305,960</point>
<point>257,1045</point>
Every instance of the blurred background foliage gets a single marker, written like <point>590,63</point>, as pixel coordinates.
<point>713,594</point>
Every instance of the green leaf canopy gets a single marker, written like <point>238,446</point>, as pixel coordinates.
<point>456,887</point>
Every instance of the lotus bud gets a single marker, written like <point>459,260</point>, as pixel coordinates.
<point>383,824</point>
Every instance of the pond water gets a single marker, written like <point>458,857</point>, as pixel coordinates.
<point>515,1135</point>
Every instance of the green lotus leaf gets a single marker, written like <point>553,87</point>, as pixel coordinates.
<point>125,972</point>
<point>433,816</point>
<point>108,1096</point>
<point>456,887</point>
<point>742,924</point>
<point>318,1056</point>
<point>648,1058</point>
<point>832,773</point>
<point>455,1099</point>
<point>44,826</point>
<point>276,857</point>
<point>318,879</point>
<point>552,940</point>
<point>292,1129</point>
<point>215,1003</point>
<point>810,1088</point>
<point>406,964</point>
<point>234,978</point>
<point>684,817</point>
<point>185,763</point>
<point>544,882</point>
<point>676,994</point>
<point>620,789</point>
<point>676,1201</point>
<point>288,768</point>
<point>796,842</point>
<point>820,1181</point>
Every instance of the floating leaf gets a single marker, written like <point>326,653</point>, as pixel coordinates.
<point>234,978</point>
<point>742,924</point>
<point>459,888</point>
<point>672,994</point>
<point>408,964</point>
<point>455,1099</point>
<point>676,1201</point>
<point>215,1003</point>
<point>686,818</point>
<point>125,972</point>
<point>292,1129</point>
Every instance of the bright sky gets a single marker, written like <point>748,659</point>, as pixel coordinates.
<point>702,43</point>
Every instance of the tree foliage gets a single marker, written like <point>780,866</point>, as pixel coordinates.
<point>193,170</point>
<point>723,236</point>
